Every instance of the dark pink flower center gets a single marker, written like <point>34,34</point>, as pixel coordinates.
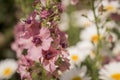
<point>63,44</point>
<point>37,41</point>
<point>48,55</point>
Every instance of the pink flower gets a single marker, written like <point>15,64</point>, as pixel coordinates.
<point>23,69</point>
<point>17,48</point>
<point>24,73</point>
<point>49,58</point>
<point>40,42</point>
<point>64,54</point>
<point>27,28</point>
<point>24,60</point>
<point>60,38</point>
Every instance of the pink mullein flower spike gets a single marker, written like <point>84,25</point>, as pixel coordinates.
<point>39,41</point>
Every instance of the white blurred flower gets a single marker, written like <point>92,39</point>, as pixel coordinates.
<point>110,25</point>
<point>75,74</point>
<point>110,71</point>
<point>81,21</point>
<point>110,6</point>
<point>105,7</point>
<point>87,47</point>
<point>7,68</point>
<point>79,53</point>
<point>90,15</point>
<point>75,57</point>
<point>64,23</point>
<point>90,34</point>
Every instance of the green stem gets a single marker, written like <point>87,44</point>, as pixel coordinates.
<point>98,56</point>
<point>97,27</point>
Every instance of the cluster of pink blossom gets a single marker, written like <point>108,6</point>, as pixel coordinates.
<point>38,41</point>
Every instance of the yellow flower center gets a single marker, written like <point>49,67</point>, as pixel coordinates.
<point>7,72</point>
<point>109,8</point>
<point>74,57</point>
<point>116,76</point>
<point>76,78</point>
<point>95,38</point>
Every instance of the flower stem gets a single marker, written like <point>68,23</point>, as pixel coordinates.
<point>98,32</point>
<point>98,56</point>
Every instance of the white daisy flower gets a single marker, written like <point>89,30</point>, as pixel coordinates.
<point>77,55</point>
<point>74,55</point>
<point>81,21</point>
<point>7,68</point>
<point>75,74</point>
<point>110,71</point>
<point>90,34</point>
<point>110,6</point>
<point>87,47</point>
<point>90,15</point>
